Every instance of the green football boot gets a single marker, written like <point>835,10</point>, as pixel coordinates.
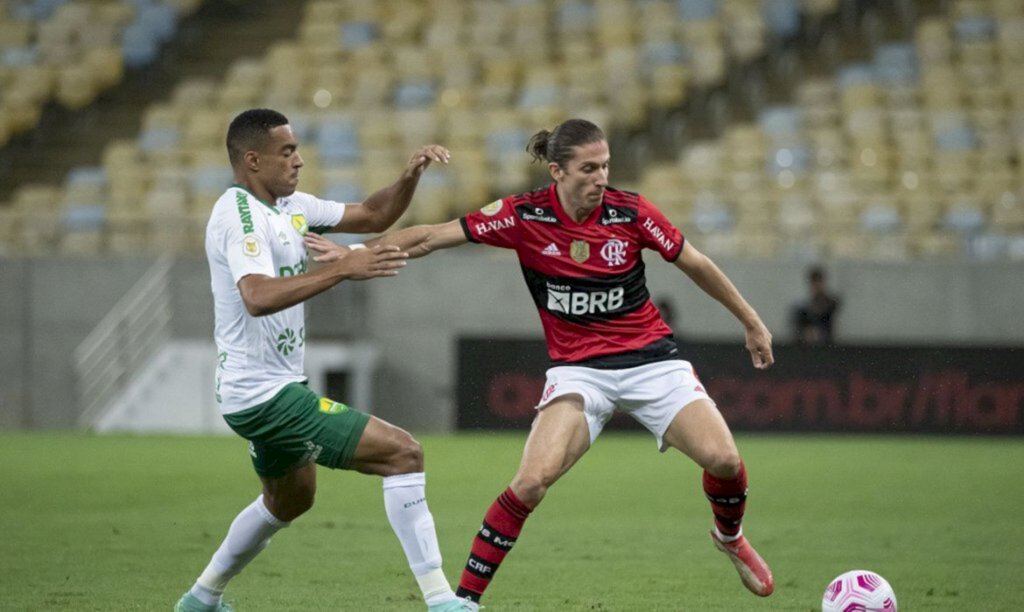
<point>454,605</point>
<point>188,603</point>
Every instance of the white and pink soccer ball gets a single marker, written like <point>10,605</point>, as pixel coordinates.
<point>859,591</point>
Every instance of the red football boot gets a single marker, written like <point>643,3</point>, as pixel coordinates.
<point>754,572</point>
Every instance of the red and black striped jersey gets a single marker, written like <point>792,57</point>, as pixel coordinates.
<point>587,279</point>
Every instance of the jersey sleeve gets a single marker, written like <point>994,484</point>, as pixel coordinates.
<point>658,233</point>
<point>321,215</point>
<point>495,224</point>
<point>246,246</point>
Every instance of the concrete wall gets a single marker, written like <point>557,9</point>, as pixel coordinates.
<point>50,304</point>
<point>53,303</point>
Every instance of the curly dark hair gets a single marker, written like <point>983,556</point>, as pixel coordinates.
<point>249,130</point>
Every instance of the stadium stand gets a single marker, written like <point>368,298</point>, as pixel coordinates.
<point>69,52</point>
<point>891,157</point>
<point>878,153</point>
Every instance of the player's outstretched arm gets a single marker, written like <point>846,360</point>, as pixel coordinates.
<point>385,206</point>
<point>715,283</point>
<point>264,295</point>
<point>417,241</point>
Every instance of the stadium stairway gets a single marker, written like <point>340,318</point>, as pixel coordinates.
<point>171,393</point>
<point>206,45</point>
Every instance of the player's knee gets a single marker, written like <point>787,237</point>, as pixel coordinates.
<point>530,489</point>
<point>290,505</point>
<point>408,456</point>
<point>724,463</point>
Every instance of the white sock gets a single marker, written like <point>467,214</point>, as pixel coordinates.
<point>405,501</point>
<point>727,538</point>
<point>249,534</point>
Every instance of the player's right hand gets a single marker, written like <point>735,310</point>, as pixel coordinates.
<point>759,344</point>
<point>371,262</point>
<point>424,155</point>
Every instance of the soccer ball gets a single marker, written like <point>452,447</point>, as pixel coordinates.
<point>859,591</point>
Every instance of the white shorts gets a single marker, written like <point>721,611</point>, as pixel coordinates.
<point>653,394</point>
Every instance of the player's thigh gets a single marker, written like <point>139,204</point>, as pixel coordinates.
<point>594,389</point>
<point>297,427</point>
<point>655,394</point>
<point>385,450</point>
<point>701,433</point>
<point>558,437</point>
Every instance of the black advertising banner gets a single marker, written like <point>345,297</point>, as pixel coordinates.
<point>840,389</point>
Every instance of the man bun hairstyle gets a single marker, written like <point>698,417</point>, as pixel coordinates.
<point>556,145</point>
<point>249,130</point>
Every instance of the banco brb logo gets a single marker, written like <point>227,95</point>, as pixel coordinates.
<point>584,302</point>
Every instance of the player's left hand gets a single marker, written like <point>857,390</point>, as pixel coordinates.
<point>328,249</point>
<point>424,156</point>
<point>759,344</point>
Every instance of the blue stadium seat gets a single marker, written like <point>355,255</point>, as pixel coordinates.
<point>88,177</point>
<point>84,218</point>
<point>711,214</point>
<point>210,179</point>
<point>780,123</point>
<point>503,142</point>
<point>356,34</point>
<point>19,56</point>
<point>661,52</point>
<point>416,93</point>
<point>964,220</point>
<point>855,74</point>
<point>793,157</point>
<point>304,126</point>
<point>338,140</point>
<point>953,132</point>
<point>698,10</point>
<point>896,63</point>
<point>159,139</point>
<point>782,17</point>
<point>576,16</point>
<point>344,191</point>
<point>138,46</point>
<point>539,95</point>
<point>881,219</point>
<point>159,20</point>
<point>974,28</point>
<point>36,10</point>
<point>988,246</point>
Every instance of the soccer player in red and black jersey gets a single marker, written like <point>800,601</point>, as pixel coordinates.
<point>579,244</point>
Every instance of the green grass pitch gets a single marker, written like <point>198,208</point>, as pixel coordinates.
<point>126,523</point>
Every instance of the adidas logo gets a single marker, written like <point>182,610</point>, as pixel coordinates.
<point>551,249</point>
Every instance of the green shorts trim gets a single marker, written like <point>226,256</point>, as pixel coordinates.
<point>297,427</point>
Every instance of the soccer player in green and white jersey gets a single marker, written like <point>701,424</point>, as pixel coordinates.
<point>258,265</point>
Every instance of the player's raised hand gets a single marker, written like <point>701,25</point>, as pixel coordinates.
<point>328,250</point>
<point>424,156</point>
<point>372,262</point>
<point>759,344</point>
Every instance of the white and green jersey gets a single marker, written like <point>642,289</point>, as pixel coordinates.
<point>257,356</point>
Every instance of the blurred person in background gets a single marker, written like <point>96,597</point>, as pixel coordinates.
<point>813,319</point>
<point>258,265</point>
<point>579,243</point>
<point>668,313</point>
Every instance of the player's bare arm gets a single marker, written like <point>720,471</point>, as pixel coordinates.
<point>383,207</point>
<point>264,295</point>
<point>715,283</point>
<point>417,241</point>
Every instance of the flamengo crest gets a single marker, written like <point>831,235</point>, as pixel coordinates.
<point>614,252</point>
